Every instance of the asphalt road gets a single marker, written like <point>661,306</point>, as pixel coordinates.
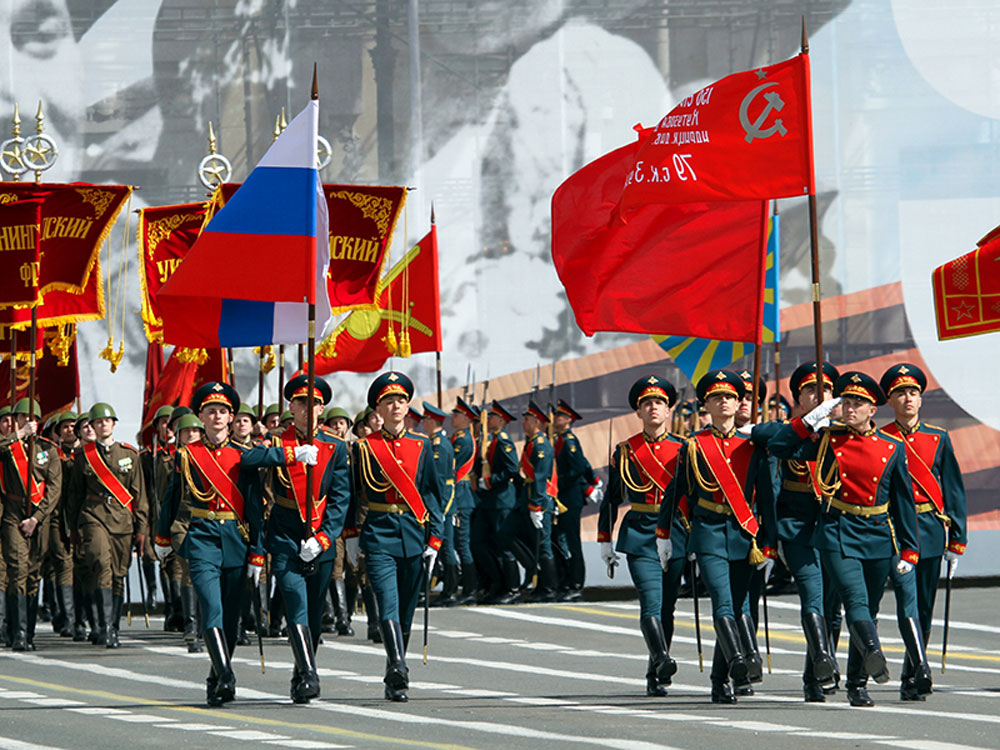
<point>530,676</point>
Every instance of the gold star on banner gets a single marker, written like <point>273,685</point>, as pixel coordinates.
<point>964,310</point>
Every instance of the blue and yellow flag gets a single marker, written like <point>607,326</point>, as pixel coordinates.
<point>697,356</point>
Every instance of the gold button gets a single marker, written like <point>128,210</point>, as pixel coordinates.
<point>871,498</point>
<point>211,515</point>
<point>656,447</point>
<point>885,460</point>
<point>910,439</point>
<point>839,454</point>
<point>874,479</point>
<point>844,475</point>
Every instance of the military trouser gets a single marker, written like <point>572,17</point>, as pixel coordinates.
<point>302,595</point>
<point>397,582</point>
<point>58,562</point>
<point>106,556</point>
<point>220,593</point>
<point>859,582</point>
<point>23,557</point>
<point>568,534</point>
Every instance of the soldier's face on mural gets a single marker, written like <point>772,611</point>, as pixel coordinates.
<point>906,402</point>
<point>857,412</point>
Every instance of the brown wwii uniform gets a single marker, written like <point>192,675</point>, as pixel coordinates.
<point>23,555</point>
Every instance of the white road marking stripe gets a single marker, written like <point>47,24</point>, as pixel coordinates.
<point>6,743</point>
<point>98,710</point>
<point>194,727</point>
<point>54,702</point>
<point>20,695</point>
<point>927,745</point>
<point>840,735</point>
<point>306,744</point>
<point>249,734</point>
<point>140,718</point>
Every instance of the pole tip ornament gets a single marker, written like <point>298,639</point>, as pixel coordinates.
<point>805,38</point>
<point>315,86</point>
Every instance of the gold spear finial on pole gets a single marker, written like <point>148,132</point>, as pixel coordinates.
<point>39,129</point>
<point>277,128</point>
<point>283,122</point>
<point>212,148</point>
<point>214,168</point>
<point>12,155</point>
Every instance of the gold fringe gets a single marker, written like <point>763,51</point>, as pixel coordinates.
<point>61,343</point>
<point>390,341</point>
<point>756,556</point>
<point>405,350</point>
<point>109,353</point>
<point>198,356</point>
<point>268,362</point>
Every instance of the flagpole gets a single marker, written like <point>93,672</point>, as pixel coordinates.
<point>281,378</point>
<point>762,274</point>
<point>310,373</point>
<point>437,354</point>
<point>13,367</point>
<point>777,332</point>
<point>232,366</point>
<point>814,249</point>
<point>260,387</point>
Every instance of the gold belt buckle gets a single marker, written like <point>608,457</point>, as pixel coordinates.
<point>393,508</point>
<point>211,515</point>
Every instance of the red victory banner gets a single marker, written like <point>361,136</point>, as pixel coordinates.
<point>362,220</point>
<point>76,218</point>
<point>19,227</point>
<point>56,384</point>
<point>692,269</point>
<point>747,136</point>
<point>59,307</point>
<point>967,292</point>
<point>179,379</point>
<point>166,233</point>
<point>366,338</point>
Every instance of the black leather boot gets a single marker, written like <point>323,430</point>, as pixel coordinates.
<point>80,608</point>
<point>727,638</point>
<point>857,678</point>
<point>29,630</point>
<point>817,646</point>
<point>105,608</point>
<point>449,588</point>
<point>548,580</point>
<point>305,681</point>
<point>653,687</point>
<point>173,617</point>
<point>112,616</point>
<point>719,675</point>
<point>864,633</point>
<point>47,611</point>
<point>916,676</point>
<point>68,606</point>
<point>221,685</point>
<point>512,582</point>
<point>656,643</point>
<point>17,613</point>
<point>834,633</point>
<point>189,602</point>
<point>58,609</point>
<point>3,618</point>
<point>748,640</point>
<point>397,676</point>
<point>470,584</point>
<point>342,616</point>
<point>96,636</point>
<point>330,607</point>
<point>149,573</point>
<point>371,613</point>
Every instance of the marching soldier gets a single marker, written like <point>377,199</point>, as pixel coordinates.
<point>797,510</point>
<point>362,428</point>
<point>540,488</point>
<point>642,473</point>
<point>87,627</point>
<point>444,463</point>
<point>939,493</point>
<point>402,532</point>
<point>577,483</point>
<point>107,514</point>
<point>60,551</point>
<point>302,529</point>
<point>498,501</point>
<point>343,594</point>
<point>338,420</point>
<point>156,470</point>
<point>867,512</point>
<point>222,544</point>
<point>185,618</point>
<point>728,487</point>
<point>464,450</point>
<point>241,430</point>
<point>32,484</point>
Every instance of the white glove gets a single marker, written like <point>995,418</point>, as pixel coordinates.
<point>746,429</point>
<point>536,518</point>
<point>454,520</point>
<point>903,567</point>
<point>162,551</point>
<point>310,549</point>
<point>781,553</point>
<point>597,494</point>
<point>306,454</point>
<point>253,573</point>
<point>691,556</point>
<point>608,554</point>
<point>767,566</point>
<point>815,418</point>
<point>663,549</point>
<point>952,562</point>
<point>430,555</point>
<point>352,548</point>
<point>482,483</point>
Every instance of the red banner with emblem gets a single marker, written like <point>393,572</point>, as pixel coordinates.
<point>967,292</point>
<point>56,385</point>
<point>362,220</point>
<point>166,233</point>
<point>76,218</point>
<point>19,228</point>
<point>60,307</point>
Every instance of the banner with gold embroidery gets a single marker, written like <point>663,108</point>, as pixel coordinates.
<point>166,233</point>
<point>19,223</point>
<point>967,292</point>
<point>56,383</point>
<point>76,219</point>
<point>362,220</point>
<point>59,307</point>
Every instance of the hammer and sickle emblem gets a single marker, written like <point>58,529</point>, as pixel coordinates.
<point>756,129</point>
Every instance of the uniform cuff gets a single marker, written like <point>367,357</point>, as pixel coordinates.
<point>434,542</point>
<point>910,556</point>
<point>289,455</point>
<point>770,552</point>
<point>801,428</point>
<point>534,508</point>
<point>662,533</point>
<point>162,541</point>
<point>257,560</point>
<point>957,547</point>
<point>324,541</point>
<point>351,532</point>
<point>604,536</point>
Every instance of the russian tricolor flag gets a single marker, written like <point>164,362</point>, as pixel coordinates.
<point>263,258</point>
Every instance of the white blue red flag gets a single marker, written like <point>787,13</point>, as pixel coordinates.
<point>262,259</point>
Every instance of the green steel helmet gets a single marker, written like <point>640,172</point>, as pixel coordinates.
<point>177,413</point>
<point>66,416</point>
<point>285,415</point>
<point>359,420</point>
<point>101,410</point>
<point>326,415</point>
<point>189,420</point>
<point>247,409</point>
<point>48,424</point>
<point>21,407</point>
<point>5,411</point>
<point>272,409</point>
<point>163,411</point>
<point>337,411</point>
<point>256,411</point>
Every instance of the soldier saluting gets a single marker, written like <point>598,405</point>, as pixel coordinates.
<point>107,515</point>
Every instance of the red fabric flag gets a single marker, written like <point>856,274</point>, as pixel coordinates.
<point>60,307</point>
<point>746,136</point>
<point>362,341</point>
<point>56,386</point>
<point>154,369</point>
<point>19,232</point>
<point>967,292</point>
<point>693,270</point>
<point>182,375</point>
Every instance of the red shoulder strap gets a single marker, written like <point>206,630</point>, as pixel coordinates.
<point>660,473</point>
<point>722,470</point>
<point>297,476</point>
<point>105,476</point>
<point>217,477</point>
<point>396,474</point>
<point>33,489</point>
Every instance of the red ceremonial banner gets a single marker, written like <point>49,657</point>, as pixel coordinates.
<point>362,341</point>
<point>19,228</point>
<point>747,136</point>
<point>56,386</point>
<point>967,292</point>
<point>362,220</point>
<point>179,380</point>
<point>59,307</point>
<point>692,270</point>
<point>76,218</point>
<point>166,233</point>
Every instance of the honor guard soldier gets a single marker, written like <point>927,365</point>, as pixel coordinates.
<point>540,489</point>
<point>302,527</point>
<point>642,474</point>
<point>108,512</point>
<point>31,475</point>
<point>797,510</point>
<point>728,486</point>
<point>402,532</point>
<point>867,512</point>
<point>464,452</point>
<point>444,464</point>
<point>497,502</point>
<point>222,543</point>
<point>87,627</point>
<point>184,618</point>
<point>939,494</point>
<point>577,483</point>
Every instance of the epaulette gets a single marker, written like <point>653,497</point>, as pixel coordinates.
<point>44,441</point>
<point>888,436</point>
<point>540,439</point>
<point>933,426</point>
<point>419,434</point>
<point>503,435</point>
<point>129,446</point>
